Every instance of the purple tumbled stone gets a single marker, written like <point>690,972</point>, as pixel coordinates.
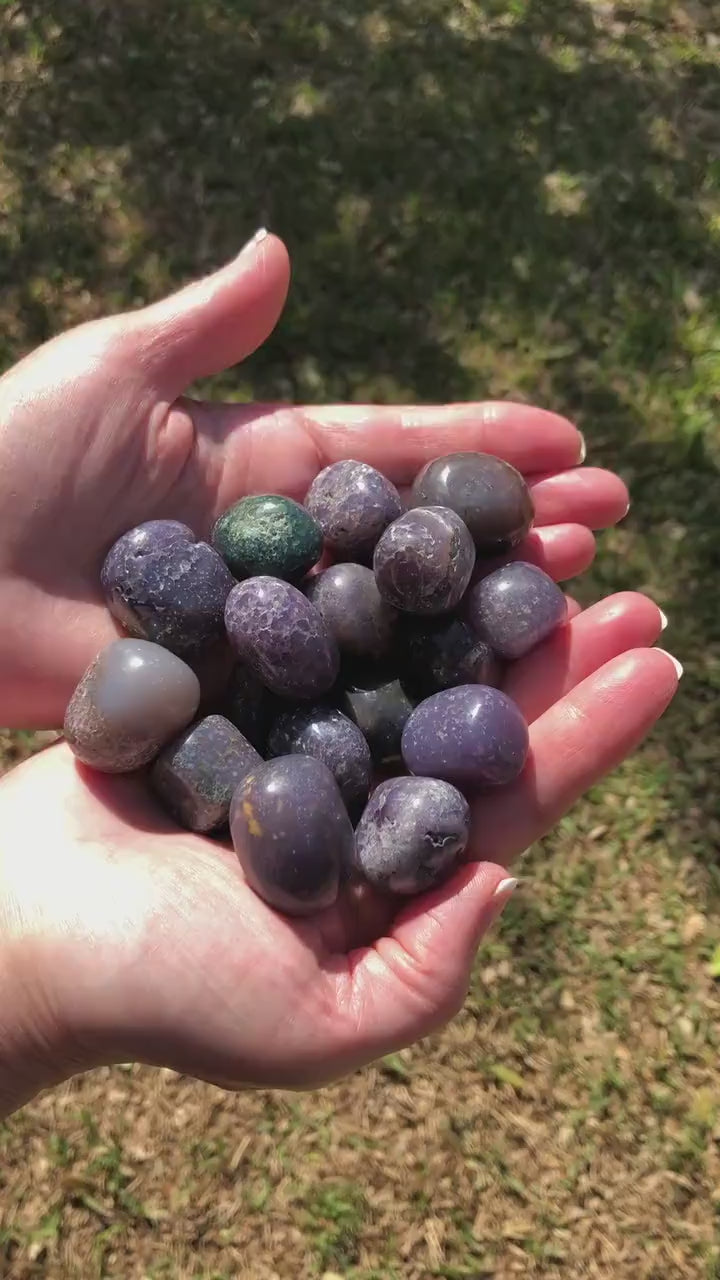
<point>196,776</point>
<point>353,504</point>
<point>471,736</point>
<point>489,495</point>
<point>164,586</point>
<point>412,834</point>
<point>281,637</point>
<point>424,561</point>
<point>362,623</point>
<point>130,702</point>
<point>439,653</point>
<point>292,834</point>
<point>327,735</point>
<point>515,608</point>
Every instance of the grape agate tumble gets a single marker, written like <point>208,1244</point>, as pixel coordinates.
<point>130,702</point>
<point>268,534</point>
<point>489,495</point>
<point>292,834</point>
<point>281,637</point>
<point>471,736</point>
<point>164,586</point>
<point>195,777</point>
<point>411,834</point>
<point>443,652</point>
<point>515,608</point>
<point>327,735</point>
<point>353,504</point>
<point>380,707</point>
<point>362,623</point>
<point>424,561</point>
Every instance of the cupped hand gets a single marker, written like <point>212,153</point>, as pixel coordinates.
<point>97,435</point>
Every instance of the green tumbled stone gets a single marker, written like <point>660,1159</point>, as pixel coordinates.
<point>268,534</point>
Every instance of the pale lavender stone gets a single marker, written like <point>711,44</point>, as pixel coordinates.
<point>130,702</point>
<point>424,561</point>
<point>412,834</point>
<point>363,624</point>
<point>515,608</point>
<point>282,638</point>
<point>472,736</point>
<point>353,504</point>
<point>196,776</point>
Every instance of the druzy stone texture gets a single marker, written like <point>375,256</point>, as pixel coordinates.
<point>249,705</point>
<point>281,637</point>
<point>440,653</point>
<point>353,504</point>
<point>195,777</point>
<point>471,736</point>
<point>380,707</point>
<point>268,534</point>
<point>163,586</point>
<point>411,834</point>
<point>515,608</point>
<point>489,495</point>
<point>130,702</point>
<point>424,561</point>
<point>292,834</point>
<point>362,623</point>
<point>327,735</point>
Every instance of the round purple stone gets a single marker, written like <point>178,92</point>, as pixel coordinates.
<point>353,504</point>
<point>515,608</point>
<point>471,736</point>
<point>362,623</point>
<point>282,638</point>
<point>424,561</point>
<point>411,834</point>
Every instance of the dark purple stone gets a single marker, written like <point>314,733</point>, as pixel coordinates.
<point>515,608</point>
<point>292,834</point>
<point>249,705</point>
<point>327,735</point>
<point>165,587</point>
<point>353,504</point>
<point>439,653</point>
<point>362,623</point>
<point>424,561</point>
<point>489,495</point>
<point>281,637</point>
<point>195,777</point>
<point>412,834</point>
<point>380,707</point>
<point>471,736</point>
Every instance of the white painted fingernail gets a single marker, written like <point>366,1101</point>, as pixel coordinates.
<point>663,620</point>
<point>677,665</point>
<point>257,239</point>
<point>583,450</point>
<point>505,888</point>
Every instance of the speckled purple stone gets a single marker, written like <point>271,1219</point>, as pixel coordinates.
<point>353,504</point>
<point>249,705</point>
<point>195,777</point>
<point>163,586</point>
<point>292,834</point>
<point>412,834</point>
<point>439,653</point>
<point>327,735</point>
<point>472,737</point>
<point>282,638</point>
<point>515,608</point>
<point>487,493</point>
<point>362,623</point>
<point>133,699</point>
<point>380,707</point>
<point>424,561</point>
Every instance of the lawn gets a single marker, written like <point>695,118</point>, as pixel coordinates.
<point>482,199</point>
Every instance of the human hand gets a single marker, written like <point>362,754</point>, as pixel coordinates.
<point>96,435</point>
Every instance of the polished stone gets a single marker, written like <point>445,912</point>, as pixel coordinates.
<point>353,504</point>
<point>282,638</point>
<point>363,624</point>
<point>327,735</point>
<point>424,561</point>
<point>516,608</point>
<point>412,834</point>
<point>489,495</point>
<point>268,534</point>
<point>195,777</point>
<point>472,736</point>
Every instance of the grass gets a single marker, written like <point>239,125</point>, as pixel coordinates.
<point>509,199</point>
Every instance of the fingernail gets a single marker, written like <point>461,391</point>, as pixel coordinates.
<point>626,511</point>
<point>257,239</point>
<point>677,665</point>
<point>505,888</point>
<point>583,450</point>
<point>663,621</point>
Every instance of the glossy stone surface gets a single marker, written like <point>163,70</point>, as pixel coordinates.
<point>281,637</point>
<point>195,777</point>
<point>292,834</point>
<point>380,707</point>
<point>268,534</point>
<point>249,706</point>
<point>362,623</point>
<point>130,702</point>
<point>424,561</point>
<point>489,495</point>
<point>471,736</point>
<point>439,653</point>
<point>163,586</point>
<point>412,834</point>
<point>353,504</point>
<point>327,735</point>
<point>515,608</point>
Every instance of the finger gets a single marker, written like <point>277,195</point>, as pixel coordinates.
<point>562,550</point>
<point>586,495</point>
<point>216,322</point>
<point>572,746</point>
<point>605,630</point>
<point>414,980</point>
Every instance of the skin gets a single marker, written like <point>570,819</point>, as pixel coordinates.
<point>123,938</point>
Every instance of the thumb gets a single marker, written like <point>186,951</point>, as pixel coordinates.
<point>217,321</point>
